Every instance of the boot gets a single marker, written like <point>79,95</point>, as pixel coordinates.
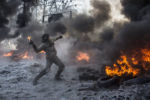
<point>35,82</point>
<point>58,78</point>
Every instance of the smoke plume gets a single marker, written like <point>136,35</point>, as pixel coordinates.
<point>99,15</point>
<point>133,35</point>
<point>8,8</point>
<point>80,27</point>
<point>56,27</point>
<point>82,24</point>
<point>136,9</point>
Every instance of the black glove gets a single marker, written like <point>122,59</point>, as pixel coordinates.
<point>60,36</point>
<point>31,42</point>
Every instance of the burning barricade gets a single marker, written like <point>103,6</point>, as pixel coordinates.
<point>134,65</point>
<point>87,70</point>
<point>128,69</point>
<point>16,56</point>
<point>26,54</point>
<point>82,56</point>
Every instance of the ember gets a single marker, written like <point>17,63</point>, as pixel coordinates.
<point>126,64</point>
<point>83,56</point>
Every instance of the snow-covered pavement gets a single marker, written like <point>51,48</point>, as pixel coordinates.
<point>16,84</point>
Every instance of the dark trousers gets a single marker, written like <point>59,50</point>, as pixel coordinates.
<point>49,62</point>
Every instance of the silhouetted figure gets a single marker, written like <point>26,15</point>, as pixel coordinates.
<point>51,57</point>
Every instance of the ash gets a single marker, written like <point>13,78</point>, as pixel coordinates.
<point>16,84</point>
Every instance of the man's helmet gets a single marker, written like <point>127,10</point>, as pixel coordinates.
<point>45,37</point>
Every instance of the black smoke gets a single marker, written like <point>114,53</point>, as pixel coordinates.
<point>56,27</point>
<point>132,36</point>
<point>80,24</point>
<point>85,27</point>
<point>100,12</point>
<point>35,30</point>
<point>98,16</point>
<point>18,10</point>
<point>23,19</point>
<point>83,23</point>
<point>136,9</point>
<point>8,8</point>
<point>136,33</point>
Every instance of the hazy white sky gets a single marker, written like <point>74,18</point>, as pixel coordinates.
<point>116,8</point>
<point>84,6</point>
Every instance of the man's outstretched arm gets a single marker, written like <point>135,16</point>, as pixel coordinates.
<point>57,38</point>
<point>35,47</point>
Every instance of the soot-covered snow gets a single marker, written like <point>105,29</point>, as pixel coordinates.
<point>16,84</point>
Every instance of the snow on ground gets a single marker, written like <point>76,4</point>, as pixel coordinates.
<point>16,84</point>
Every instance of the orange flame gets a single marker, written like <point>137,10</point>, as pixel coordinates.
<point>26,56</point>
<point>146,58</point>
<point>146,55</point>
<point>121,67</point>
<point>42,51</point>
<point>29,38</point>
<point>125,64</point>
<point>83,56</point>
<point>8,54</point>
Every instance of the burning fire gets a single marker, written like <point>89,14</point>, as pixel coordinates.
<point>127,64</point>
<point>83,56</point>
<point>42,51</point>
<point>121,67</point>
<point>25,56</point>
<point>8,54</point>
<point>29,38</point>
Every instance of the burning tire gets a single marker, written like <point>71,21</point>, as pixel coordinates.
<point>86,74</point>
<point>107,82</point>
